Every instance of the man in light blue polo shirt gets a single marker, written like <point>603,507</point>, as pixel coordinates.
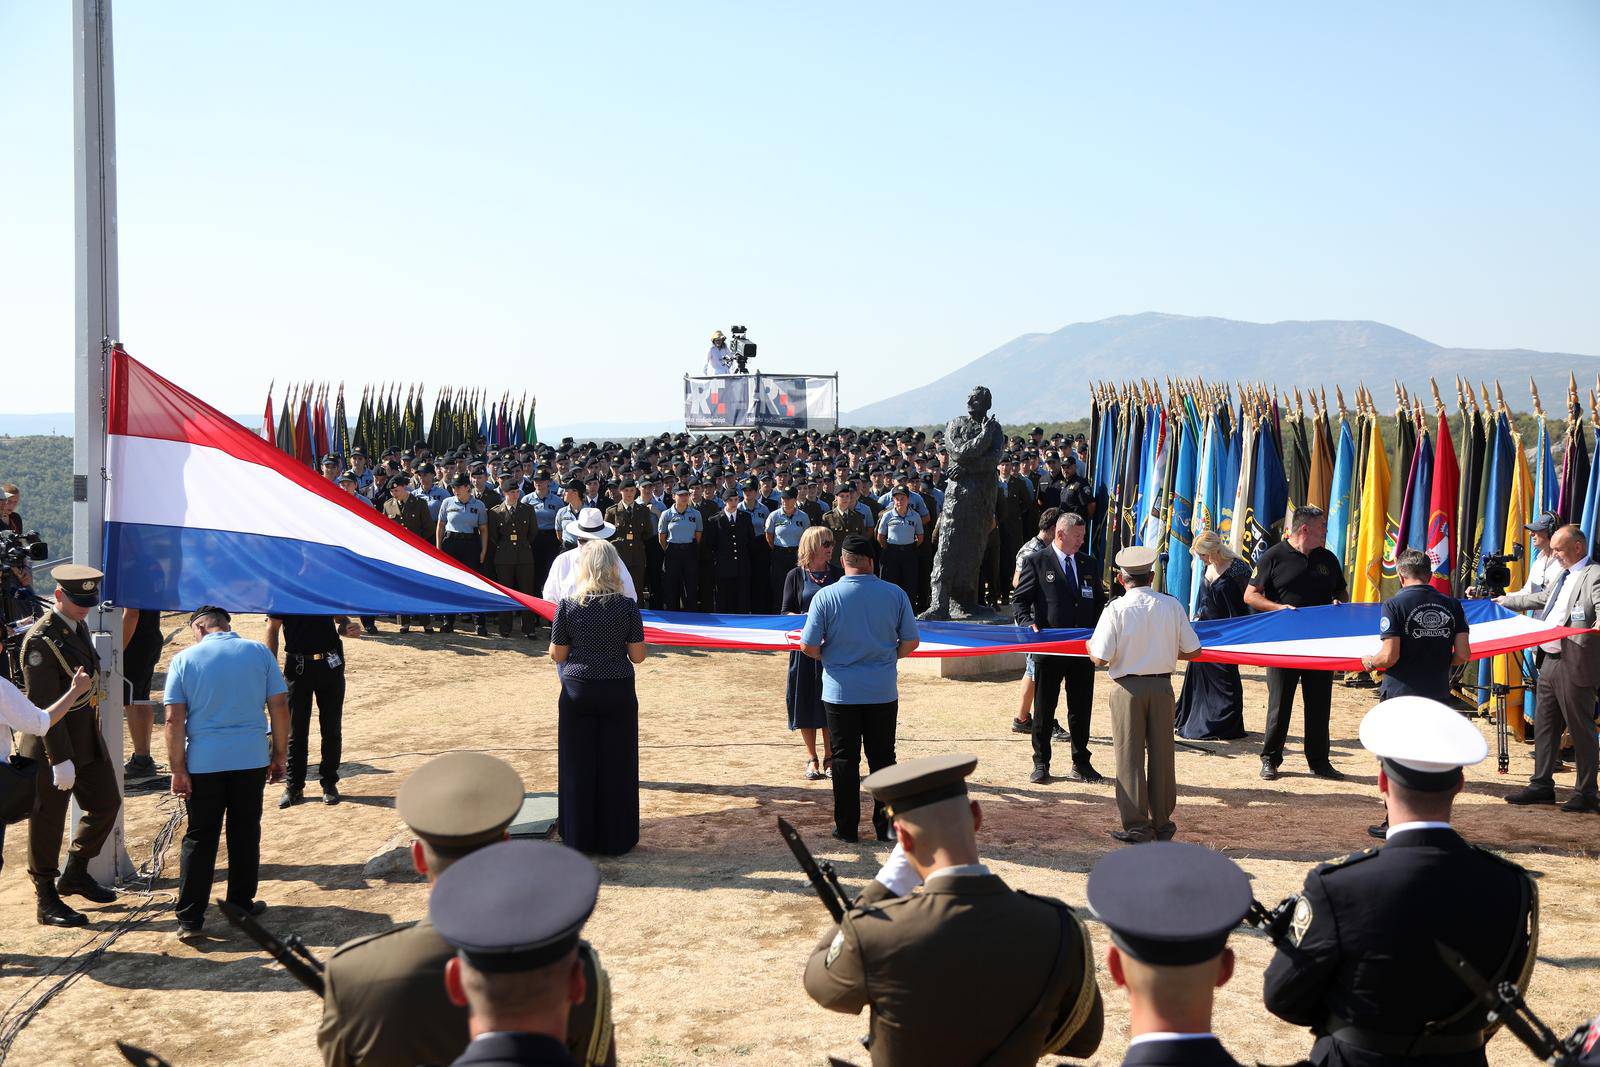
<point>221,757</point>
<point>859,627</point>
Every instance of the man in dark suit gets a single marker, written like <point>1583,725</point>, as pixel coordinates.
<point>1359,960</point>
<point>732,537</point>
<point>1060,589</point>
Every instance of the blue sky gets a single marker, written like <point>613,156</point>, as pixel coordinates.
<point>569,197</point>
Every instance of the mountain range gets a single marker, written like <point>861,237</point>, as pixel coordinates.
<point>1045,376</point>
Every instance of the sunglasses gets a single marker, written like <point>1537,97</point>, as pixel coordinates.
<point>826,544</point>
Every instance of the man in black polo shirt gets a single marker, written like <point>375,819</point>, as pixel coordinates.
<point>313,667</point>
<point>1298,572</point>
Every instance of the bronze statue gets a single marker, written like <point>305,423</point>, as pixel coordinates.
<point>974,442</point>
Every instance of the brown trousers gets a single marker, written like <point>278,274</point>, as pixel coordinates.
<point>1141,738</point>
<point>96,792</point>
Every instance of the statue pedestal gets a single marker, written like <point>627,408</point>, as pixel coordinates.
<point>988,668</point>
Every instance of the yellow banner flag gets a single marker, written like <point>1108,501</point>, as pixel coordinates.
<point>1367,565</point>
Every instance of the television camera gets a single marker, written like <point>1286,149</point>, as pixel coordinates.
<point>1496,574</point>
<point>743,349</point>
<point>19,604</point>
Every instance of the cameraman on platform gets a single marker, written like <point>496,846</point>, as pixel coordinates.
<point>1422,638</point>
<point>719,360</point>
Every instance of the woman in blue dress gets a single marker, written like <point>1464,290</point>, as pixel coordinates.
<point>816,569</point>
<point>1211,707</point>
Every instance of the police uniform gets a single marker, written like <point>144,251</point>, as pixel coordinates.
<point>385,1003</point>
<point>433,495</point>
<point>785,531</point>
<point>678,532</point>
<point>481,906</point>
<point>464,539</point>
<point>899,535</point>
<point>635,529</point>
<point>512,532</point>
<point>1359,962</point>
<point>53,649</point>
<point>966,970</point>
<point>1134,892</point>
<point>569,514</point>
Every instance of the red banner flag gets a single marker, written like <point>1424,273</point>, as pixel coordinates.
<point>1442,507</point>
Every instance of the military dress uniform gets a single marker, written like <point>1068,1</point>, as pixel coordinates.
<point>842,523</point>
<point>732,540</point>
<point>635,529</point>
<point>52,650</point>
<point>512,530</point>
<point>1359,963</point>
<point>757,585</point>
<point>708,509</point>
<point>413,515</point>
<point>966,970</point>
<point>384,1003</point>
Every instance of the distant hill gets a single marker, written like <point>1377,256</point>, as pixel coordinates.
<point>42,468</point>
<point>1043,376</point>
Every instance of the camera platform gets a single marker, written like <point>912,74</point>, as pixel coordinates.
<point>760,401</point>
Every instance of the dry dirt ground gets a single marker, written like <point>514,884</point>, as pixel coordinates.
<point>705,928</point>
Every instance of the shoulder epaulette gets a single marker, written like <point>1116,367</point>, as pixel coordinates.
<point>1341,862</point>
<point>370,938</point>
<point>1503,860</point>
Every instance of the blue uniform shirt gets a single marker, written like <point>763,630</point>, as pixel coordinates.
<point>459,518</point>
<point>786,529</point>
<point>680,526</point>
<point>545,508</point>
<point>758,514</point>
<point>859,620</point>
<point>900,529</point>
<point>564,516</point>
<point>914,500</point>
<point>225,682</point>
<point>434,498</point>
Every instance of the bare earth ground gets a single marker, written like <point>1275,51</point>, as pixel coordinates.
<point>705,928</point>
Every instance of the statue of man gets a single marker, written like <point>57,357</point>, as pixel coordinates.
<point>975,443</point>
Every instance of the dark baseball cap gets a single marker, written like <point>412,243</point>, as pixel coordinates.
<point>1544,523</point>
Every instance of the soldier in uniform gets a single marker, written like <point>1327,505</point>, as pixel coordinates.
<point>512,529</point>
<point>785,525</point>
<point>705,496</point>
<point>1359,963</point>
<point>968,970</point>
<point>385,1003</point>
<point>514,912</point>
<point>482,489</point>
<point>756,586</point>
<point>572,494</point>
<point>678,532</point>
<point>899,538</point>
<point>53,650</point>
<point>844,519</point>
<point>411,513</point>
<point>462,533</point>
<point>635,529</point>
<point>1171,961</point>
<point>731,537</point>
<point>546,503</point>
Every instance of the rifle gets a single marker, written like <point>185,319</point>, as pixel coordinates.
<point>289,951</point>
<point>1274,923</point>
<point>139,1057</point>
<point>823,877</point>
<point>1505,1004</point>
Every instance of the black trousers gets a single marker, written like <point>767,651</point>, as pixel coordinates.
<point>1051,674</point>
<point>733,594</point>
<point>652,569</point>
<point>468,551</point>
<point>680,579</point>
<point>1316,692</point>
<point>782,562</point>
<point>758,591</point>
<point>546,547</point>
<point>597,761</point>
<point>852,727</point>
<point>899,567</point>
<point>313,679</point>
<point>234,797</point>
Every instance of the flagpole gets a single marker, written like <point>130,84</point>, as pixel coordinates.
<point>95,201</point>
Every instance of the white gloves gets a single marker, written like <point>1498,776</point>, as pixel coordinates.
<point>897,875</point>
<point>64,774</point>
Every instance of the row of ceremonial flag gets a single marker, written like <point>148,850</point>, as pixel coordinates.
<point>311,421</point>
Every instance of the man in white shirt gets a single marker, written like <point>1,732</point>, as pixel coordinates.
<point>719,360</point>
<point>1139,640</point>
<point>19,713</point>
<point>590,525</point>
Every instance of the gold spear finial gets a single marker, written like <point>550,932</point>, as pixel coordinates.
<point>1500,396</point>
<point>1533,388</point>
<point>1438,401</point>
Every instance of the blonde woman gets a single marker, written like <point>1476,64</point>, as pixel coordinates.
<point>1211,707</point>
<point>595,639</point>
<point>814,570</point>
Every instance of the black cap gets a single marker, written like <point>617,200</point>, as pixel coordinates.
<point>1168,903</point>
<point>349,476</point>
<point>900,490</point>
<point>461,481</point>
<point>790,493</point>
<point>399,479</point>
<point>209,609</point>
<point>515,905</point>
<point>861,545</point>
<point>574,485</point>
<point>1544,523</point>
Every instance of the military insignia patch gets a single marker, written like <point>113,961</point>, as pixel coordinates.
<point>834,949</point>
<point>35,658</point>
<point>1301,921</point>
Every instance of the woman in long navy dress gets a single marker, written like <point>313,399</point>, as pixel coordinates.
<point>804,691</point>
<point>1211,707</point>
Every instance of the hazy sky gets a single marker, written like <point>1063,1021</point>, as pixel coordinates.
<point>570,197</point>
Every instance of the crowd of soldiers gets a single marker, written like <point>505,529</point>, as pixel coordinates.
<point>708,523</point>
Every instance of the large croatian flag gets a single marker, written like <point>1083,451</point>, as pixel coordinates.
<point>200,510</point>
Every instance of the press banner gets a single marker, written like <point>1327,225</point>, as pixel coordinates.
<point>746,401</point>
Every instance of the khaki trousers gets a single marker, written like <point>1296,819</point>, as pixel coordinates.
<point>1141,738</point>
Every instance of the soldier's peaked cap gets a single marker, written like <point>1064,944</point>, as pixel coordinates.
<point>916,783</point>
<point>516,905</point>
<point>461,800</point>
<point>1168,903</point>
<point>79,584</point>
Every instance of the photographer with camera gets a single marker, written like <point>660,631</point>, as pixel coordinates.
<point>719,360</point>
<point>19,604</point>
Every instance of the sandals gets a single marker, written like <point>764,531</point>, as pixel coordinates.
<point>827,766</point>
<point>813,774</point>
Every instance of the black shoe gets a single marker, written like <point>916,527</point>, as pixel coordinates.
<point>483,631</point>
<point>190,926</point>
<point>1269,771</point>
<point>427,628</point>
<point>75,881</point>
<point>1040,775</point>
<point>1058,734</point>
<point>1583,804</point>
<point>1532,795</point>
<point>139,769</point>
<point>851,840</point>
<point>1020,727</point>
<point>405,627</point>
<point>447,628</point>
<point>371,627</point>
<point>53,911</point>
<point>254,907</point>
<point>531,637</point>
<point>290,798</point>
<point>330,794</point>
<point>888,835</point>
<point>1328,771</point>
<point>1167,832</point>
<point>1085,773</point>
<point>1132,837</point>
<point>1380,831</point>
